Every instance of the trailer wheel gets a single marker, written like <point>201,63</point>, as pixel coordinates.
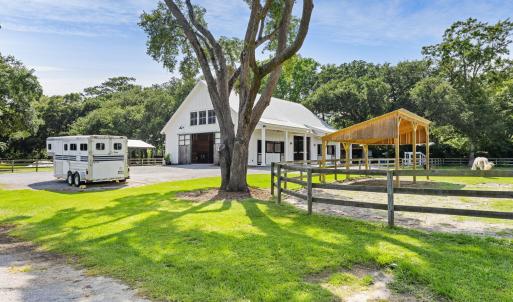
<point>76,179</point>
<point>69,178</point>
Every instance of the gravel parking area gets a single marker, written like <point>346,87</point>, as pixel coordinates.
<point>138,176</point>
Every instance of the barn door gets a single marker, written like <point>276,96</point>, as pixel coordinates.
<point>184,149</point>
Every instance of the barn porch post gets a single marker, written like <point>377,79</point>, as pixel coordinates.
<point>323,159</point>
<point>346,149</point>
<point>414,143</point>
<point>286,146</point>
<point>263,145</point>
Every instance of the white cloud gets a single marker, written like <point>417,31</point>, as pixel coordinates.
<point>71,17</point>
<point>381,22</point>
<point>43,68</point>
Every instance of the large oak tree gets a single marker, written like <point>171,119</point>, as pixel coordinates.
<point>177,29</point>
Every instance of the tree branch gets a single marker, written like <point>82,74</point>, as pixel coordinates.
<point>296,44</point>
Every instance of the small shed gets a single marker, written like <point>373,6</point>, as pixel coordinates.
<point>139,146</point>
<point>399,127</point>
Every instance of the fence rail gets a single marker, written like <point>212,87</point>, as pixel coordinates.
<point>152,161</point>
<point>20,165</point>
<point>33,164</point>
<point>279,180</point>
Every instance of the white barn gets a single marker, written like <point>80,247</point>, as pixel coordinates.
<point>192,133</point>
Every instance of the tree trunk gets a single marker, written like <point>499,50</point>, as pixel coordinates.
<point>239,166</point>
<point>471,156</point>
<point>225,160</point>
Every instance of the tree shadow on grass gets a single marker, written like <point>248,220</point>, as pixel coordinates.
<point>232,250</point>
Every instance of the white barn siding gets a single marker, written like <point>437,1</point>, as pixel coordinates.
<point>279,117</point>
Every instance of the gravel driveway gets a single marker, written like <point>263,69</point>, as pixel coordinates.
<point>138,176</point>
<point>29,275</point>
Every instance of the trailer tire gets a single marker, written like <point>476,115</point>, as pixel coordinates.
<point>69,178</point>
<point>76,179</point>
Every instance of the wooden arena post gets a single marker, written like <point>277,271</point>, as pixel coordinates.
<point>427,150</point>
<point>397,144</point>
<point>366,156</point>
<point>414,144</point>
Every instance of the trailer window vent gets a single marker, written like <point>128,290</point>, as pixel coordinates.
<point>65,147</point>
<point>100,146</point>
<point>73,147</point>
<point>117,146</point>
<point>83,147</point>
<point>49,146</point>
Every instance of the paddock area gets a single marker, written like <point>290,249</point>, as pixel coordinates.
<point>452,200</point>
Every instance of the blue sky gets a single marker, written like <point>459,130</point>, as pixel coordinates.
<point>75,44</point>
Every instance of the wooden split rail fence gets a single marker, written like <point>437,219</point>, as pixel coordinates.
<point>279,180</point>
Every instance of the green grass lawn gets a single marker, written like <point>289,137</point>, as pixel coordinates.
<point>246,250</point>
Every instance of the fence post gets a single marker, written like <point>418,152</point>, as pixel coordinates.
<point>272,178</point>
<point>37,165</point>
<point>12,166</point>
<point>285,182</point>
<point>309,190</point>
<point>336,175</point>
<point>279,184</point>
<point>390,194</point>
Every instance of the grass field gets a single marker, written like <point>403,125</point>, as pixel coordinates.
<point>247,250</point>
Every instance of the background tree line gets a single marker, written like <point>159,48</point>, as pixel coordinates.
<point>464,85</point>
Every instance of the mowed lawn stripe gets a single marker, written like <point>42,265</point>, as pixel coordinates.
<point>254,250</point>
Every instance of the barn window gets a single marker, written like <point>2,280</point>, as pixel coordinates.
<point>211,117</point>
<point>117,146</point>
<point>184,139</point>
<point>194,118</point>
<point>202,117</point>
<point>100,146</point>
<point>271,147</point>
<point>83,147</point>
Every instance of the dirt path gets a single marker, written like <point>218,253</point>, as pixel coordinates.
<point>27,274</point>
<point>430,222</point>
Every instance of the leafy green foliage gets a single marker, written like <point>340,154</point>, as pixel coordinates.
<point>297,80</point>
<point>360,98</point>
<point>19,89</point>
<point>136,113</point>
<point>473,57</point>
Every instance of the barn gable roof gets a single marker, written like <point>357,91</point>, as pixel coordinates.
<point>279,113</point>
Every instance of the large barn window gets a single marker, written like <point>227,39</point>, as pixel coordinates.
<point>194,118</point>
<point>202,117</point>
<point>211,117</point>
<point>271,147</point>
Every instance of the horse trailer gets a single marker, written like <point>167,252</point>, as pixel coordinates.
<point>89,158</point>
